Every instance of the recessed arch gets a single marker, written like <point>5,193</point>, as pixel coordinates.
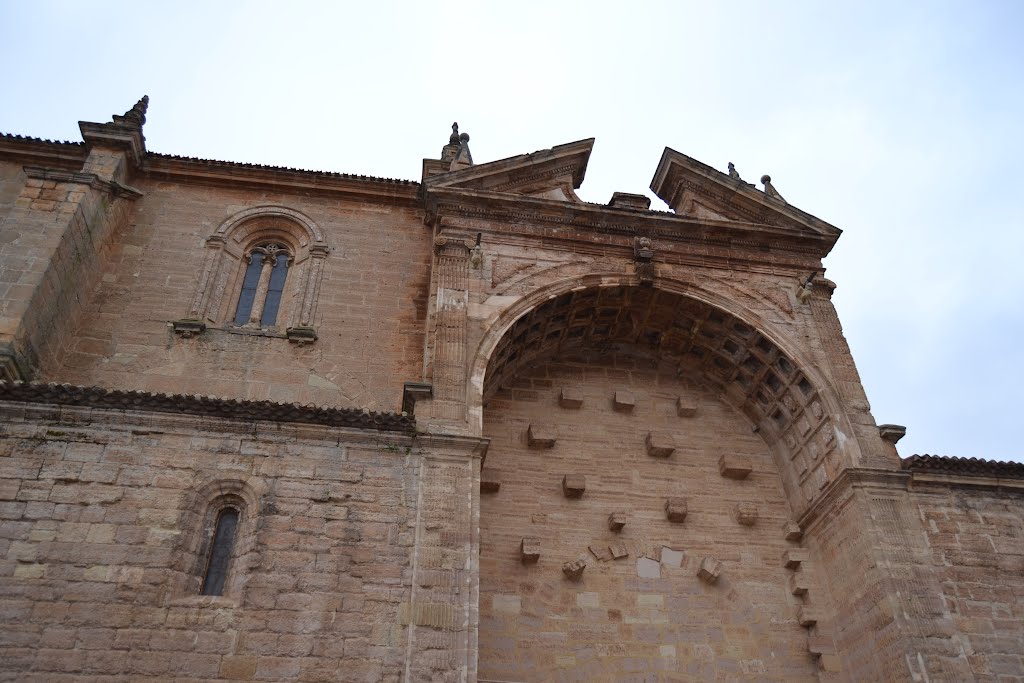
<point>790,403</point>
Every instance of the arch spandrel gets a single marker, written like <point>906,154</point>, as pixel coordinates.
<point>756,368</point>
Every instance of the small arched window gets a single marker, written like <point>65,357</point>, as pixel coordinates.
<point>221,550</point>
<point>263,285</point>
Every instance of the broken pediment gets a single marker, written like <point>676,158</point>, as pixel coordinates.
<point>697,190</point>
<point>548,174</point>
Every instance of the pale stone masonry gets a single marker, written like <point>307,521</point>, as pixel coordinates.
<point>683,478</point>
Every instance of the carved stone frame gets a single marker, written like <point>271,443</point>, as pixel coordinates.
<point>223,270</point>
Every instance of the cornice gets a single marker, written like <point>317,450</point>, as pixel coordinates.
<point>37,151</point>
<point>236,174</point>
<point>113,188</point>
<point>848,479</point>
<point>203,406</point>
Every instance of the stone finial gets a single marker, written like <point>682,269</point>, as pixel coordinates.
<point>733,173</point>
<point>746,514</point>
<point>529,550</point>
<point>570,398</point>
<point>769,189</point>
<point>794,557</point>
<point>732,466</point>
<point>892,433</point>
<point>675,509</point>
<point>709,570</point>
<point>574,570</point>
<point>540,436</point>
<point>574,485</point>
<point>136,116</point>
<point>490,482</point>
<point>793,531</point>
<point>453,139</point>
<point>659,444</point>
<point>463,157</point>
<point>616,521</point>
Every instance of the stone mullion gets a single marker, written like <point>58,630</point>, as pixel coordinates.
<point>260,298</point>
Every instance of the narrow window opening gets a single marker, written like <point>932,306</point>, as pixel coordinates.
<point>249,286</point>
<point>220,552</point>
<point>275,290</point>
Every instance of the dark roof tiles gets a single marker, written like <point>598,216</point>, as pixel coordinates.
<point>977,467</point>
<point>204,406</point>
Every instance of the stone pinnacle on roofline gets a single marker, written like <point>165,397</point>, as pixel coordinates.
<point>136,115</point>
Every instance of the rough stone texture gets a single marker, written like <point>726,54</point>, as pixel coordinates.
<point>529,550</point>
<point>365,552</point>
<point>541,435</point>
<point>676,509</point>
<point>659,444</point>
<point>746,514</point>
<point>574,485</point>
<point>616,521</point>
<point>709,570</point>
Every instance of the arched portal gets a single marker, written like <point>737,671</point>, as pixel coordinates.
<point>606,373</point>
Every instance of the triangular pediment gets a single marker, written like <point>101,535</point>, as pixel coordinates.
<point>549,173</point>
<point>696,190</point>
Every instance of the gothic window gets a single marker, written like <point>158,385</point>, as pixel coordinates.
<point>261,275</point>
<point>262,285</point>
<point>221,547</point>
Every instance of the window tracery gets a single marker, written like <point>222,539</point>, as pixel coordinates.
<point>261,274</point>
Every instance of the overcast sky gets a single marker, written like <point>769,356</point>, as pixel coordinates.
<point>899,122</point>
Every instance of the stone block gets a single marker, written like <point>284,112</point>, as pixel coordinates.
<point>733,466</point>
<point>624,401</point>
<point>646,568</point>
<point>746,514</point>
<point>529,550</point>
<point>686,406</point>
<point>616,521</point>
<point>830,663</point>
<point>573,485</point>
<point>675,509</point>
<point>807,617</point>
<point>601,552</point>
<point>671,557</point>
<point>570,398</point>
<point>819,645</point>
<point>659,444</point>
<point>709,570</point>
<point>618,550</point>
<point>541,436</point>
<point>793,532</point>
<point>794,557</point>
<point>490,482</point>
<point>574,570</point>
<point>798,584</point>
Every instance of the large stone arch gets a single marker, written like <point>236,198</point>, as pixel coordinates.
<point>761,371</point>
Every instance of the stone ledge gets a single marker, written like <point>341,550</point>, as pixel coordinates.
<point>203,406</point>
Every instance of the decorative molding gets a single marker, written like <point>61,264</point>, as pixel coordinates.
<point>110,187</point>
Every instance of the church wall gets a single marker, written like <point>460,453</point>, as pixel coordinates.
<point>11,180</point>
<point>647,615</point>
<point>369,320</point>
<point>976,543</point>
<point>101,517</point>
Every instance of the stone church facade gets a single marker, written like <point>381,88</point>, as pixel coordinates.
<point>268,424</point>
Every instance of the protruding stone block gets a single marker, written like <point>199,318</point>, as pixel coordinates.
<point>574,570</point>
<point>686,406</point>
<point>574,485</point>
<point>616,521</point>
<point>793,531</point>
<point>675,509</point>
<point>807,617</point>
<point>659,444</point>
<point>618,550</point>
<point>624,401</point>
<point>570,398</point>
<point>601,552</point>
<point>746,514</point>
<point>892,433</point>
<point>733,466</point>
<point>541,436</point>
<point>794,557</point>
<point>490,482</point>
<point>798,584</point>
<point>830,663</point>
<point>529,550</point>
<point>819,645</point>
<point>709,570</point>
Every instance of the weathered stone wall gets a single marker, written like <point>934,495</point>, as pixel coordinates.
<point>102,519</point>
<point>639,610</point>
<point>976,543</point>
<point>371,307</point>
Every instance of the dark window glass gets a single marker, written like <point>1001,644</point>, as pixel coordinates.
<point>220,552</point>
<point>252,280</point>
<point>273,302</point>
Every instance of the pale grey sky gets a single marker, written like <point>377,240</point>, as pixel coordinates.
<point>897,122</point>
